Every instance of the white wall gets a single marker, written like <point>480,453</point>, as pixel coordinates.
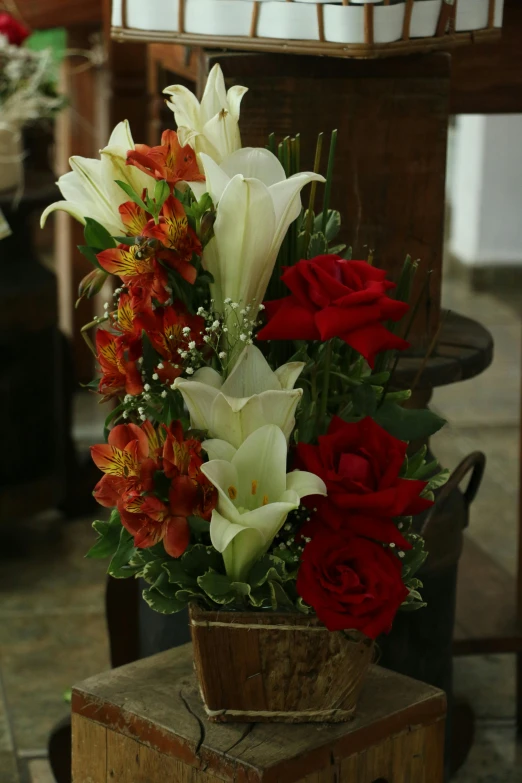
<point>485,184</point>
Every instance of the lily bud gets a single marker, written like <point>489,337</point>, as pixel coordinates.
<point>91,284</point>
<point>206,231</point>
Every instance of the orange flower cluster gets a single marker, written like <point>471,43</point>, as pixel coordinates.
<point>130,461</point>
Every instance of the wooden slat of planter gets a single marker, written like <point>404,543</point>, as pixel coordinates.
<point>156,703</point>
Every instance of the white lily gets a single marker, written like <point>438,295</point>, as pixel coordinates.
<point>253,395</point>
<point>212,125</point>
<point>255,205</point>
<point>90,189</point>
<point>255,495</point>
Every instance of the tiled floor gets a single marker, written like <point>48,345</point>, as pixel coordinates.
<point>51,600</point>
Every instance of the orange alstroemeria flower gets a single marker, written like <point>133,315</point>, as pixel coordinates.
<point>119,376</point>
<point>164,328</point>
<point>151,521</point>
<point>134,218</point>
<point>126,463</point>
<point>136,265</point>
<point>182,460</point>
<point>125,321</point>
<point>177,237</point>
<point>170,161</point>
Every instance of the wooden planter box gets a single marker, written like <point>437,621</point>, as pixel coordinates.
<point>271,666</point>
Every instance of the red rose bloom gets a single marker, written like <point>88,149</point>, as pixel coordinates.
<point>14,31</point>
<point>351,583</point>
<point>360,464</point>
<point>332,297</point>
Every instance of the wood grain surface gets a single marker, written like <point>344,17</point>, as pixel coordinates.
<point>155,702</point>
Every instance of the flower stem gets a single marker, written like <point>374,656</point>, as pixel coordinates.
<point>323,407</point>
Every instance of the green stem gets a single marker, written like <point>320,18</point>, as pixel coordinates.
<point>311,203</point>
<point>329,177</point>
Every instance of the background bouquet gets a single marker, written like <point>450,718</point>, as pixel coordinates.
<point>256,453</point>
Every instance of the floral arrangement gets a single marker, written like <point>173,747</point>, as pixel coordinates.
<point>256,452</point>
<point>27,77</point>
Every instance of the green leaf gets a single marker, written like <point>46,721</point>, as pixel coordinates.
<point>281,600</point>
<point>318,246</point>
<point>108,537</point>
<point>333,224</point>
<point>90,255</point>
<point>198,559</point>
<point>269,567</point>
<point>131,193</point>
<point>416,461</point>
<point>160,603</point>
<point>408,424</point>
<point>413,558</point>
<point>365,400</point>
<point>152,571</point>
<point>161,193</point>
<point>97,236</point>
<point>218,587</point>
<point>126,240</point>
<point>119,566</point>
<point>178,575</point>
<point>438,480</point>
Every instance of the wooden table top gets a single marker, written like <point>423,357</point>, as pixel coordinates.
<point>156,701</point>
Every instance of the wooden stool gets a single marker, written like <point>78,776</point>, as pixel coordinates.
<point>144,723</point>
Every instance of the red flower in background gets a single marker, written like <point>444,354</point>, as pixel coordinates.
<point>164,327</point>
<point>352,583</point>
<point>14,31</point>
<point>130,460</point>
<point>360,464</point>
<point>119,376</point>
<point>170,161</point>
<point>332,297</point>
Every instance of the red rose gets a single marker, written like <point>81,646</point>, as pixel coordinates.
<point>332,297</point>
<point>351,583</point>
<point>14,31</point>
<point>360,464</point>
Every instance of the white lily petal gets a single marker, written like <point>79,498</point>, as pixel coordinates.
<point>209,376</point>
<point>260,463</point>
<point>219,449</point>
<point>234,98</point>
<point>216,178</point>
<point>287,201</point>
<point>254,162</point>
<point>222,133</point>
<point>278,407</point>
<point>269,519</point>
<point>199,398</point>
<point>185,106</point>
<point>90,171</point>
<point>65,206</point>
<point>288,374</point>
<point>223,475</point>
<point>251,375</point>
<point>240,546</point>
<point>243,230</point>
<point>231,424</point>
<point>122,136</point>
<point>212,263</point>
<point>305,483</point>
<point>214,98</point>
<point>198,188</point>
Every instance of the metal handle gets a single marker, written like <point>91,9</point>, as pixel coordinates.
<point>474,463</point>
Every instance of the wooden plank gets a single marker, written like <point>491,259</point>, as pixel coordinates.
<point>89,751</point>
<point>391,153</point>
<point>486,605</point>
<point>156,701</point>
<point>487,78</point>
<point>44,14</point>
<point>128,761</point>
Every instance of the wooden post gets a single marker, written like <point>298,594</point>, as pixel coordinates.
<point>144,723</point>
<point>392,118</point>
